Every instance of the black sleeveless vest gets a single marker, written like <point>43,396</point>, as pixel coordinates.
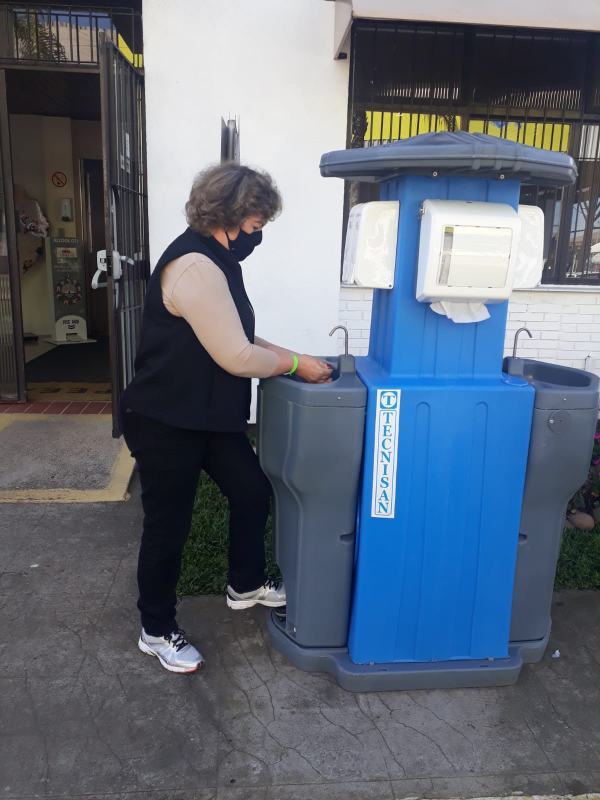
<point>176,381</point>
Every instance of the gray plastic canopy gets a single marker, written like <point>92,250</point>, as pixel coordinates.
<point>458,154</point>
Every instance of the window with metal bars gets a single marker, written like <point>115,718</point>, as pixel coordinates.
<point>537,87</point>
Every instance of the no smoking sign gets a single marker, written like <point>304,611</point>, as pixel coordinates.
<point>59,179</point>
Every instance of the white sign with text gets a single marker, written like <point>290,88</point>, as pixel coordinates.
<point>386,453</point>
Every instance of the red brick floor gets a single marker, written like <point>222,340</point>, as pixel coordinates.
<point>93,407</point>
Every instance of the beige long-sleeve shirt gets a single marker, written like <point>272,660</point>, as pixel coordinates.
<point>193,287</point>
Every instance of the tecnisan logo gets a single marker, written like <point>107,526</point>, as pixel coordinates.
<point>386,453</point>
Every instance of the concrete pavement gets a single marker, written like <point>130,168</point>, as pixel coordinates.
<point>85,714</point>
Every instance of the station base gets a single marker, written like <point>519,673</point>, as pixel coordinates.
<point>409,676</point>
<point>532,652</point>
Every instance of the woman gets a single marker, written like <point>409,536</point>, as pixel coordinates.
<point>187,408</point>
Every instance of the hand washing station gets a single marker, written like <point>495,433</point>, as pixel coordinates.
<point>565,412</point>
<point>419,497</point>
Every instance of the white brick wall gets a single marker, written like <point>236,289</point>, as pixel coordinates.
<point>565,324</point>
<point>355,314</point>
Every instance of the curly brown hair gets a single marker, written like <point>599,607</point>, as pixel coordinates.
<point>223,196</point>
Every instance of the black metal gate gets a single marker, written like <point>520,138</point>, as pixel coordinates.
<point>12,356</point>
<point>538,87</point>
<point>126,212</point>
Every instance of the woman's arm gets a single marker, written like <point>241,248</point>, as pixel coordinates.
<point>196,289</point>
<point>281,351</point>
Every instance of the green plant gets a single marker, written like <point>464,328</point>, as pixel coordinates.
<point>588,497</point>
<point>579,562</point>
<point>35,39</point>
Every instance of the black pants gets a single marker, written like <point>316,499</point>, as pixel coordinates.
<point>170,461</point>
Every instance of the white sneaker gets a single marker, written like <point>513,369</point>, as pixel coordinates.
<point>173,651</point>
<point>271,594</point>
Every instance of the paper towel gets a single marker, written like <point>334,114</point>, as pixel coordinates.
<point>461,312</point>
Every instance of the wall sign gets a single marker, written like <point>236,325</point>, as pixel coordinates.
<point>68,280</point>
<point>386,453</point>
<point>59,179</point>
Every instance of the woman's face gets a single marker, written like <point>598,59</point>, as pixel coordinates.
<point>253,224</point>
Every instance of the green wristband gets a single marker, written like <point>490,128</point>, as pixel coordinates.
<point>295,367</point>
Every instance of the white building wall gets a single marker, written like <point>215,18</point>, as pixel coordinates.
<point>583,15</point>
<point>271,64</point>
<point>565,325</point>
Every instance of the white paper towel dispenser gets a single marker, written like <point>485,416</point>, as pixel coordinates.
<point>371,241</point>
<point>467,252</point>
<point>530,258</point>
<point>350,245</point>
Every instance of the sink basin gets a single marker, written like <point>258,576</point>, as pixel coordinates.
<point>556,386</point>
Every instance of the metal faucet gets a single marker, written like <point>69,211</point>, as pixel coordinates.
<point>342,328</point>
<point>521,330</point>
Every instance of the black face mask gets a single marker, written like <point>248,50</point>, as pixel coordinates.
<point>243,245</point>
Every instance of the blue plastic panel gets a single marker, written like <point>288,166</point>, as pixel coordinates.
<point>434,582</point>
<point>409,339</point>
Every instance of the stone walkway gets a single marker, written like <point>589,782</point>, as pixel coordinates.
<point>84,713</point>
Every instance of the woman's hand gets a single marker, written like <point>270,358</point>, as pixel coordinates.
<point>313,370</point>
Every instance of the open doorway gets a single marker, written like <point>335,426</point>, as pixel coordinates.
<point>74,256</point>
<point>56,144</point>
